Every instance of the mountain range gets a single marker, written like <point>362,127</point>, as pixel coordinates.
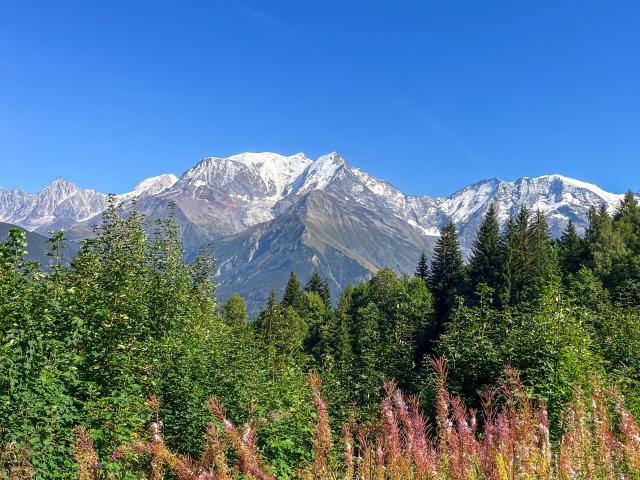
<point>268,214</point>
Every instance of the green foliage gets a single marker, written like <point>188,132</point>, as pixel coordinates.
<point>293,296</point>
<point>316,284</point>
<point>446,277</point>
<point>422,270</point>
<point>571,251</point>
<point>86,344</point>
<point>484,264</point>
<point>281,328</point>
<point>234,311</point>
<point>549,342</point>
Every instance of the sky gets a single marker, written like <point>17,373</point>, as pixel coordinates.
<point>429,95</point>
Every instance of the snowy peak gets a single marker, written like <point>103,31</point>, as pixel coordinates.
<point>319,174</point>
<point>254,174</point>
<point>60,204</point>
<point>151,186</point>
<point>230,194</point>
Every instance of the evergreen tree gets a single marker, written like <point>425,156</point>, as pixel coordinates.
<point>422,271</point>
<point>508,246</point>
<point>293,296</point>
<point>570,249</point>
<point>446,277</point>
<point>316,314</point>
<point>281,329</point>
<point>627,219</point>
<point>485,263</point>
<point>603,242</point>
<point>234,311</point>
<point>314,284</point>
<point>517,259</point>
<point>338,341</point>
<point>320,286</point>
<point>543,256</point>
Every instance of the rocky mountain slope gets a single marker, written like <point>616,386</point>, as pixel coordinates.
<point>268,213</point>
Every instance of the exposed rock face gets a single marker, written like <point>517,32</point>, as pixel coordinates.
<point>268,214</point>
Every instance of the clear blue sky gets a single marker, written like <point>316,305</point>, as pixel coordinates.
<point>428,94</point>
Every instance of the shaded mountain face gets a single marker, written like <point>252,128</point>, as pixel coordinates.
<point>268,214</point>
<point>38,246</point>
<point>345,242</point>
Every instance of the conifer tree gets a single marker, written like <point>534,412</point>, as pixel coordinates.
<point>517,259</point>
<point>446,277</point>
<point>281,328</point>
<point>317,315</point>
<point>293,296</point>
<point>320,286</point>
<point>603,242</point>
<point>627,219</point>
<point>484,265</point>
<point>543,257</point>
<point>314,284</point>
<point>570,249</point>
<point>422,271</point>
<point>338,340</point>
<point>508,245</point>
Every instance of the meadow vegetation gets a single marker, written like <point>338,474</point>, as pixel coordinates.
<point>122,364</point>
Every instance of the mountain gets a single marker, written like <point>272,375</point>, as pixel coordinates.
<point>62,204</point>
<point>38,246</point>
<point>268,213</point>
<point>343,240</point>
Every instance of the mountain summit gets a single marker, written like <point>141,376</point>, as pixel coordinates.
<point>268,213</point>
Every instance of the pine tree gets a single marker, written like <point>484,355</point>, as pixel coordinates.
<point>544,259</point>
<point>317,315</point>
<point>339,339</point>
<point>446,277</point>
<point>320,286</point>
<point>314,284</point>
<point>516,270</point>
<point>627,220</point>
<point>325,294</point>
<point>570,249</point>
<point>281,327</point>
<point>508,245</point>
<point>422,271</point>
<point>293,296</point>
<point>484,265</point>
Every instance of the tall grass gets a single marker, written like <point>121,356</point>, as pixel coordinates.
<point>508,440</point>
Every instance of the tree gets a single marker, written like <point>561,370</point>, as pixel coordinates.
<point>234,311</point>
<point>570,249</point>
<point>320,286</point>
<point>544,261</point>
<point>484,265</point>
<point>316,315</point>
<point>281,328</point>
<point>422,271</point>
<point>293,296</point>
<point>446,277</point>
<point>528,257</point>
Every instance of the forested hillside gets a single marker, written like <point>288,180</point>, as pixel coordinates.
<point>85,346</point>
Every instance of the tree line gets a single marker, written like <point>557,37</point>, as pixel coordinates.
<point>87,343</point>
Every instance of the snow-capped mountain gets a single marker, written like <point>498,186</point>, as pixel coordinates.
<point>151,186</point>
<point>269,213</point>
<point>63,204</point>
